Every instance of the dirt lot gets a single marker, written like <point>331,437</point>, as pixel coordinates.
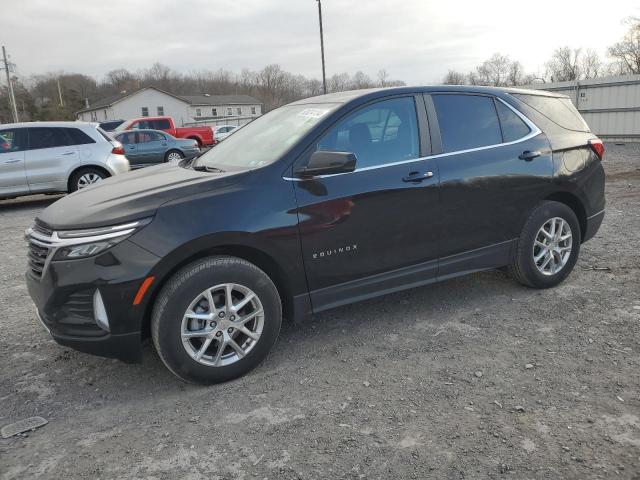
<point>476,377</point>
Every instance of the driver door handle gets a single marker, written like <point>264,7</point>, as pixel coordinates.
<point>528,155</point>
<point>416,177</point>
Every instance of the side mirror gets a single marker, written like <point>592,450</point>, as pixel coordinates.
<point>328,163</point>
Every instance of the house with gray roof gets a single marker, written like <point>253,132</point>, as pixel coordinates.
<point>185,109</point>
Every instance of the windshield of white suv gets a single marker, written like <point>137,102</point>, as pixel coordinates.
<point>267,138</point>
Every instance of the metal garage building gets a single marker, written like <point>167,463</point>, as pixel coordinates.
<point>610,105</point>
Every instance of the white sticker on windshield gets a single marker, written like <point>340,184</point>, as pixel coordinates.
<point>313,112</point>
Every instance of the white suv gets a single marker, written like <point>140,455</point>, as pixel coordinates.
<point>44,157</point>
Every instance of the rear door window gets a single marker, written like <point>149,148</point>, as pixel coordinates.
<point>467,121</point>
<point>559,110</point>
<point>47,137</point>
<point>146,137</point>
<point>127,138</point>
<point>513,127</point>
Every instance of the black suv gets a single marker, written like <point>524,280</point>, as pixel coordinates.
<point>320,203</point>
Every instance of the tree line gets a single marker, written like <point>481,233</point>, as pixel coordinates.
<point>565,64</point>
<point>57,96</point>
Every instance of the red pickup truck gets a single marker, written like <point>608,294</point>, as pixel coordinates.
<point>202,135</point>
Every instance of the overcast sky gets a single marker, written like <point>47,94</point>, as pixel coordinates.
<point>414,40</point>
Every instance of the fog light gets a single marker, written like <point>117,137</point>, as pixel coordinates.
<point>99,312</point>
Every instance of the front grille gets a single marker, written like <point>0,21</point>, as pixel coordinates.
<point>40,245</point>
<point>37,258</point>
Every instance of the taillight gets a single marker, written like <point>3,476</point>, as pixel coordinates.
<point>598,147</point>
<point>4,146</point>
<point>118,149</point>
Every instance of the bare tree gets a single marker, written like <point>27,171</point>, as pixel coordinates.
<point>382,77</point>
<point>590,64</point>
<point>361,80</point>
<point>626,53</point>
<point>121,79</point>
<point>564,64</point>
<point>454,77</point>
<point>516,75</point>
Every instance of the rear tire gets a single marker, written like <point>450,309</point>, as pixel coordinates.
<point>205,345</point>
<point>548,246</point>
<point>85,177</point>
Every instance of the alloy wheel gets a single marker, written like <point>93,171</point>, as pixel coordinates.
<point>552,246</point>
<point>222,325</point>
<point>174,157</point>
<point>88,179</point>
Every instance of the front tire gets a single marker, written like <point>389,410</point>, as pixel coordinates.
<point>548,246</point>
<point>216,319</point>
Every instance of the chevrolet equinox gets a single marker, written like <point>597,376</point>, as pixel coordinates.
<point>323,202</point>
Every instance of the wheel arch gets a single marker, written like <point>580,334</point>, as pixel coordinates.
<point>575,204</point>
<point>85,167</point>
<point>197,138</point>
<point>258,257</point>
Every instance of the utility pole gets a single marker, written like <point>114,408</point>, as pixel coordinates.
<point>14,108</point>
<point>324,76</point>
<point>60,93</point>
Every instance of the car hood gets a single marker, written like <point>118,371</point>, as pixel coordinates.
<point>130,196</point>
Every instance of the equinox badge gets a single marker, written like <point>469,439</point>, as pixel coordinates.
<point>336,251</point>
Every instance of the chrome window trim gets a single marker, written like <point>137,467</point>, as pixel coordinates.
<point>534,132</point>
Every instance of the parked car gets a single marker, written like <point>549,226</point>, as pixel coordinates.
<point>320,203</point>
<point>111,125</point>
<point>203,135</point>
<point>46,157</point>
<point>149,147</point>
<point>4,144</point>
<point>223,131</point>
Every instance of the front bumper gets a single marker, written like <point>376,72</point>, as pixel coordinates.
<point>191,152</point>
<point>63,294</point>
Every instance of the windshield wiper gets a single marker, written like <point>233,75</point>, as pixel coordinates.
<point>205,168</point>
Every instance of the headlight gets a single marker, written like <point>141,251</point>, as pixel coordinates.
<point>84,250</point>
<point>73,244</point>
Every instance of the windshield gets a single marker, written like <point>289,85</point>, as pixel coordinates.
<point>267,138</point>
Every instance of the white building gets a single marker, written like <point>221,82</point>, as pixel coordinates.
<point>609,105</point>
<point>185,109</point>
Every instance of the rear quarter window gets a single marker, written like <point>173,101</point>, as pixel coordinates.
<point>559,110</point>
<point>513,127</point>
<point>78,137</point>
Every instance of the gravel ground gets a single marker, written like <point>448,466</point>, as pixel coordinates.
<point>477,377</point>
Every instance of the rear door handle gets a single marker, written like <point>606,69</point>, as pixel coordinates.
<point>416,177</point>
<point>13,160</point>
<point>69,153</point>
<point>528,155</point>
